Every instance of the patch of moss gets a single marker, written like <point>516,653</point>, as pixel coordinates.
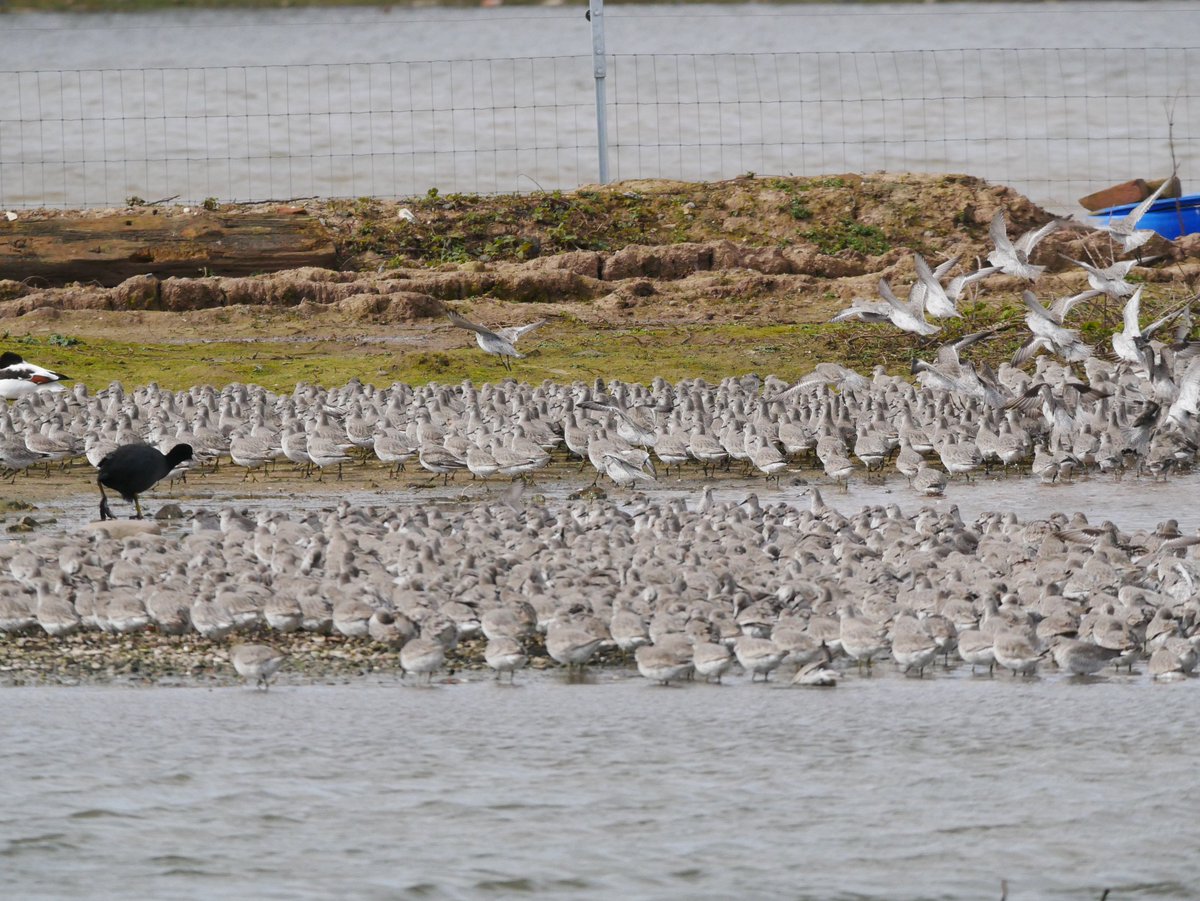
<point>567,349</point>
<point>835,181</point>
<point>849,234</point>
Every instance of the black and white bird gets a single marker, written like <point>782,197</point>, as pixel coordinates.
<point>502,342</point>
<point>18,378</point>
<point>134,468</point>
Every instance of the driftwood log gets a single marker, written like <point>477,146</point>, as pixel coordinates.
<point>108,249</point>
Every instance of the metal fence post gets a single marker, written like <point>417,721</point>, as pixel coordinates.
<point>599,70</point>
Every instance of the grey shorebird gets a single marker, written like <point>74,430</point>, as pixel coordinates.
<point>258,662</point>
<point>1049,332</point>
<point>501,342</point>
<point>908,317</point>
<point>1012,257</point>
<point>1125,230</point>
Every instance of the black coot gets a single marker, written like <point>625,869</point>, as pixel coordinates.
<point>134,468</point>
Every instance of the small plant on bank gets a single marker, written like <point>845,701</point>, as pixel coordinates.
<point>848,234</point>
<point>798,210</point>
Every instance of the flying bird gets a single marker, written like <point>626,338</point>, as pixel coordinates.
<point>1049,332</point>
<point>1125,229</point>
<point>937,301</point>
<point>625,467</point>
<point>1186,405</point>
<point>951,373</point>
<point>941,300</point>
<point>908,317</point>
<point>874,311</point>
<point>1109,280</point>
<point>960,283</point>
<point>1127,343</point>
<point>501,342</point>
<point>1012,257</point>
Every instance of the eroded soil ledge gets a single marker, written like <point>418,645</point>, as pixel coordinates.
<point>754,252</point>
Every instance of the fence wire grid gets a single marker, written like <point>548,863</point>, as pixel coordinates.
<point>1055,124</point>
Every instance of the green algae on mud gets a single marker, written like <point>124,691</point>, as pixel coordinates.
<point>562,353</point>
<point>565,350</point>
<point>834,213</point>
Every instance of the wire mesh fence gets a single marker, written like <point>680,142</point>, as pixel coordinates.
<point>1055,124</point>
<point>83,138</point>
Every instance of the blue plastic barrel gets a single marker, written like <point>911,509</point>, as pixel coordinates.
<point>1170,217</point>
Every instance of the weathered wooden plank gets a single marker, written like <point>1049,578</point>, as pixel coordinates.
<point>109,249</point>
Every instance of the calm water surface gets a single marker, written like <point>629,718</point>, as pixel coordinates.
<point>1131,503</point>
<point>297,36</point>
<point>882,788</point>
<point>249,105</point>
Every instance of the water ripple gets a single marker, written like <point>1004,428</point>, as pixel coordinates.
<point>34,844</point>
<point>886,789</point>
<point>95,813</point>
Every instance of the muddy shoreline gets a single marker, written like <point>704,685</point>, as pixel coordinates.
<point>152,659</point>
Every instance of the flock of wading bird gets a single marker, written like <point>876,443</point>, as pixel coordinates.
<point>1076,411</point>
<point>680,590</point>
<point>686,592</point>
